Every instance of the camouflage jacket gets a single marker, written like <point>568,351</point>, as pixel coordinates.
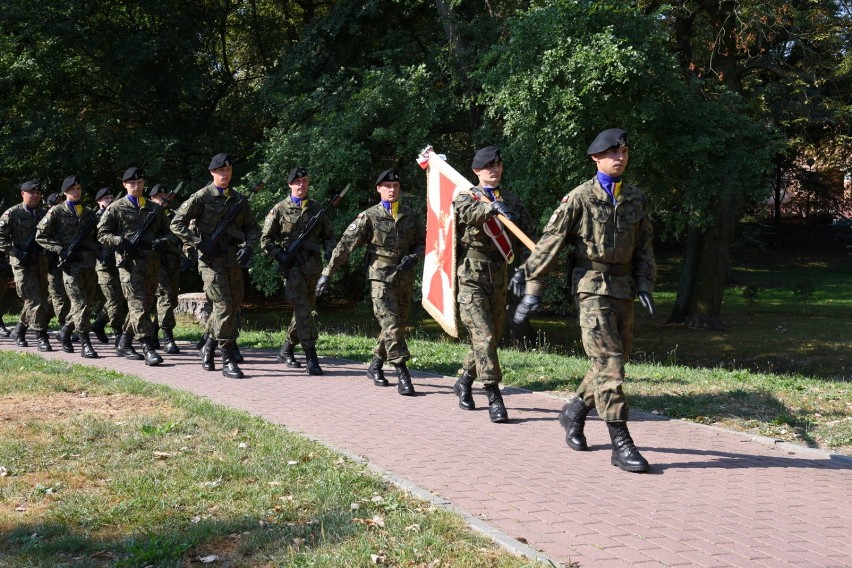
<point>387,241</point>
<point>16,226</point>
<point>286,221</point>
<point>61,225</point>
<point>471,215</point>
<point>122,219</point>
<point>616,238</point>
<point>207,207</point>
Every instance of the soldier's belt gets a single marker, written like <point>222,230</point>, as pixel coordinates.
<point>480,255</point>
<point>611,269</point>
<point>382,261</point>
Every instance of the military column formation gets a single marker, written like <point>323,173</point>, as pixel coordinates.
<point>605,219</point>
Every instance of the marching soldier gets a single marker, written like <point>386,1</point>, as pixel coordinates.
<point>220,263</point>
<point>29,264</point>
<point>55,287</point>
<point>169,283</point>
<point>68,230</point>
<point>285,222</point>
<point>114,311</point>
<point>607,220</point>
<point>138,262</point>
<point>486,251</point>
<point>395,239</point>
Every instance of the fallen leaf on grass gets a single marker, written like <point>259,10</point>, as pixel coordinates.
<point>163,455</point>
<point>103,554</point>
<point>377,558</point>
<point>376,521</point>
<point>208,559</point>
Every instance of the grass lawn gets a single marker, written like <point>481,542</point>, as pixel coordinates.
<point>100,469</point>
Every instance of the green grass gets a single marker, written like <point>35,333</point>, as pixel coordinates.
<point>102,469</point>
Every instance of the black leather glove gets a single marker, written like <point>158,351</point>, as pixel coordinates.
<point>322,284</point>
<point>500,207</point>
<point>209,248</point>
<point>244,255</point>
<point>517,283</point>
<point>282,257</point>
<point>408,262</point>
<point>327,253</point>
<point>647,301</point>
<point>527,306</point>
<point>127,248</point>
<point>159,245</point>
<point>186,263</point>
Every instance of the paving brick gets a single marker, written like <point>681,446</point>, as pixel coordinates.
<point>712,498</point>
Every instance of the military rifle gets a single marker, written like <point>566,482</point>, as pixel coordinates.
<point>294,246</point>
<point>27,245</point>
<point>136,238</point>
<point>79,238</point>
<point>223,226</point>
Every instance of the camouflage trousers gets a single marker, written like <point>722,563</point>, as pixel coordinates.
<point>482,295</point>
<point>57,295</point>
<point>391,306</point>
<point>224,287</point>
<point>31,285</point>
<point>114,305</point>
<point>301,293</point>
<point>80,286</point>
<point>606,324</point>
<point>139,277</point>
<point>167,290</point>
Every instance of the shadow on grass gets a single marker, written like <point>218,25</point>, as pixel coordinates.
<point>178,545</point>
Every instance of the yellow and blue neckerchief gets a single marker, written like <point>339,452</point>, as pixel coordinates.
<point>392,207</point>
<point>299,201</point>
<point>137,202</point>
<point>226,191</point>
<point>610,185</point>
<point>76,207</point>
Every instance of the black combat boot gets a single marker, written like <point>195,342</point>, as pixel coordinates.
<point>99,327</point>
<point>496,408</point>
<point>86,349</point>
<point>238,356</point>
<point>573,419</point>
<point>230,369</point>
<point>125,348</point>
<point>624,452</point>
<point>169,342</point>
<point>43,341</point>
<point>152,358</point>
<point>287,355</point>
<point>63,336</point>
<point>403,385</point>
<point>462,388</point>
<point>4,331</point>
<point>208,353</point>
<point>374,371</point>
<point>155,339</point>
<point>116,339</point>
<point>312,361</point>
<point>202,341</point>
<point>21,335</point>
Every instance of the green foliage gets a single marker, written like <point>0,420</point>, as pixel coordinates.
<point>751,296</point>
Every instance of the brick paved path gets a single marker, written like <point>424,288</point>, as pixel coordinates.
<point>713,497</point>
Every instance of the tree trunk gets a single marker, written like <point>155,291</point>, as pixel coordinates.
<point>705,267</point>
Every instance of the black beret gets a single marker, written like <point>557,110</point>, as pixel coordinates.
<point>612,138</point>
<point>388,175</point>
<point>31,185</point>
<point>219,161</point>
<point>159,188</point>
<point>102,192</point>
<point>485,156</point>
<point>132,173</point>
<point>54,198</point>
<point>69,181</point>
<point>296,173</point>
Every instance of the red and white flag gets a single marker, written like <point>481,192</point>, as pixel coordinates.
<point>439,267</point>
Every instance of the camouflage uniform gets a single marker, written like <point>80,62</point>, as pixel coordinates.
<point>139,273</point>
<point>283,224</point>
<point>222,275</point>
<point>169,283</point>
<point>388,240</point>
<point>614,261</point>
<point>483,279</point>
<point>57,229</point>
<point>109,282</point>
<point>16,226</point>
